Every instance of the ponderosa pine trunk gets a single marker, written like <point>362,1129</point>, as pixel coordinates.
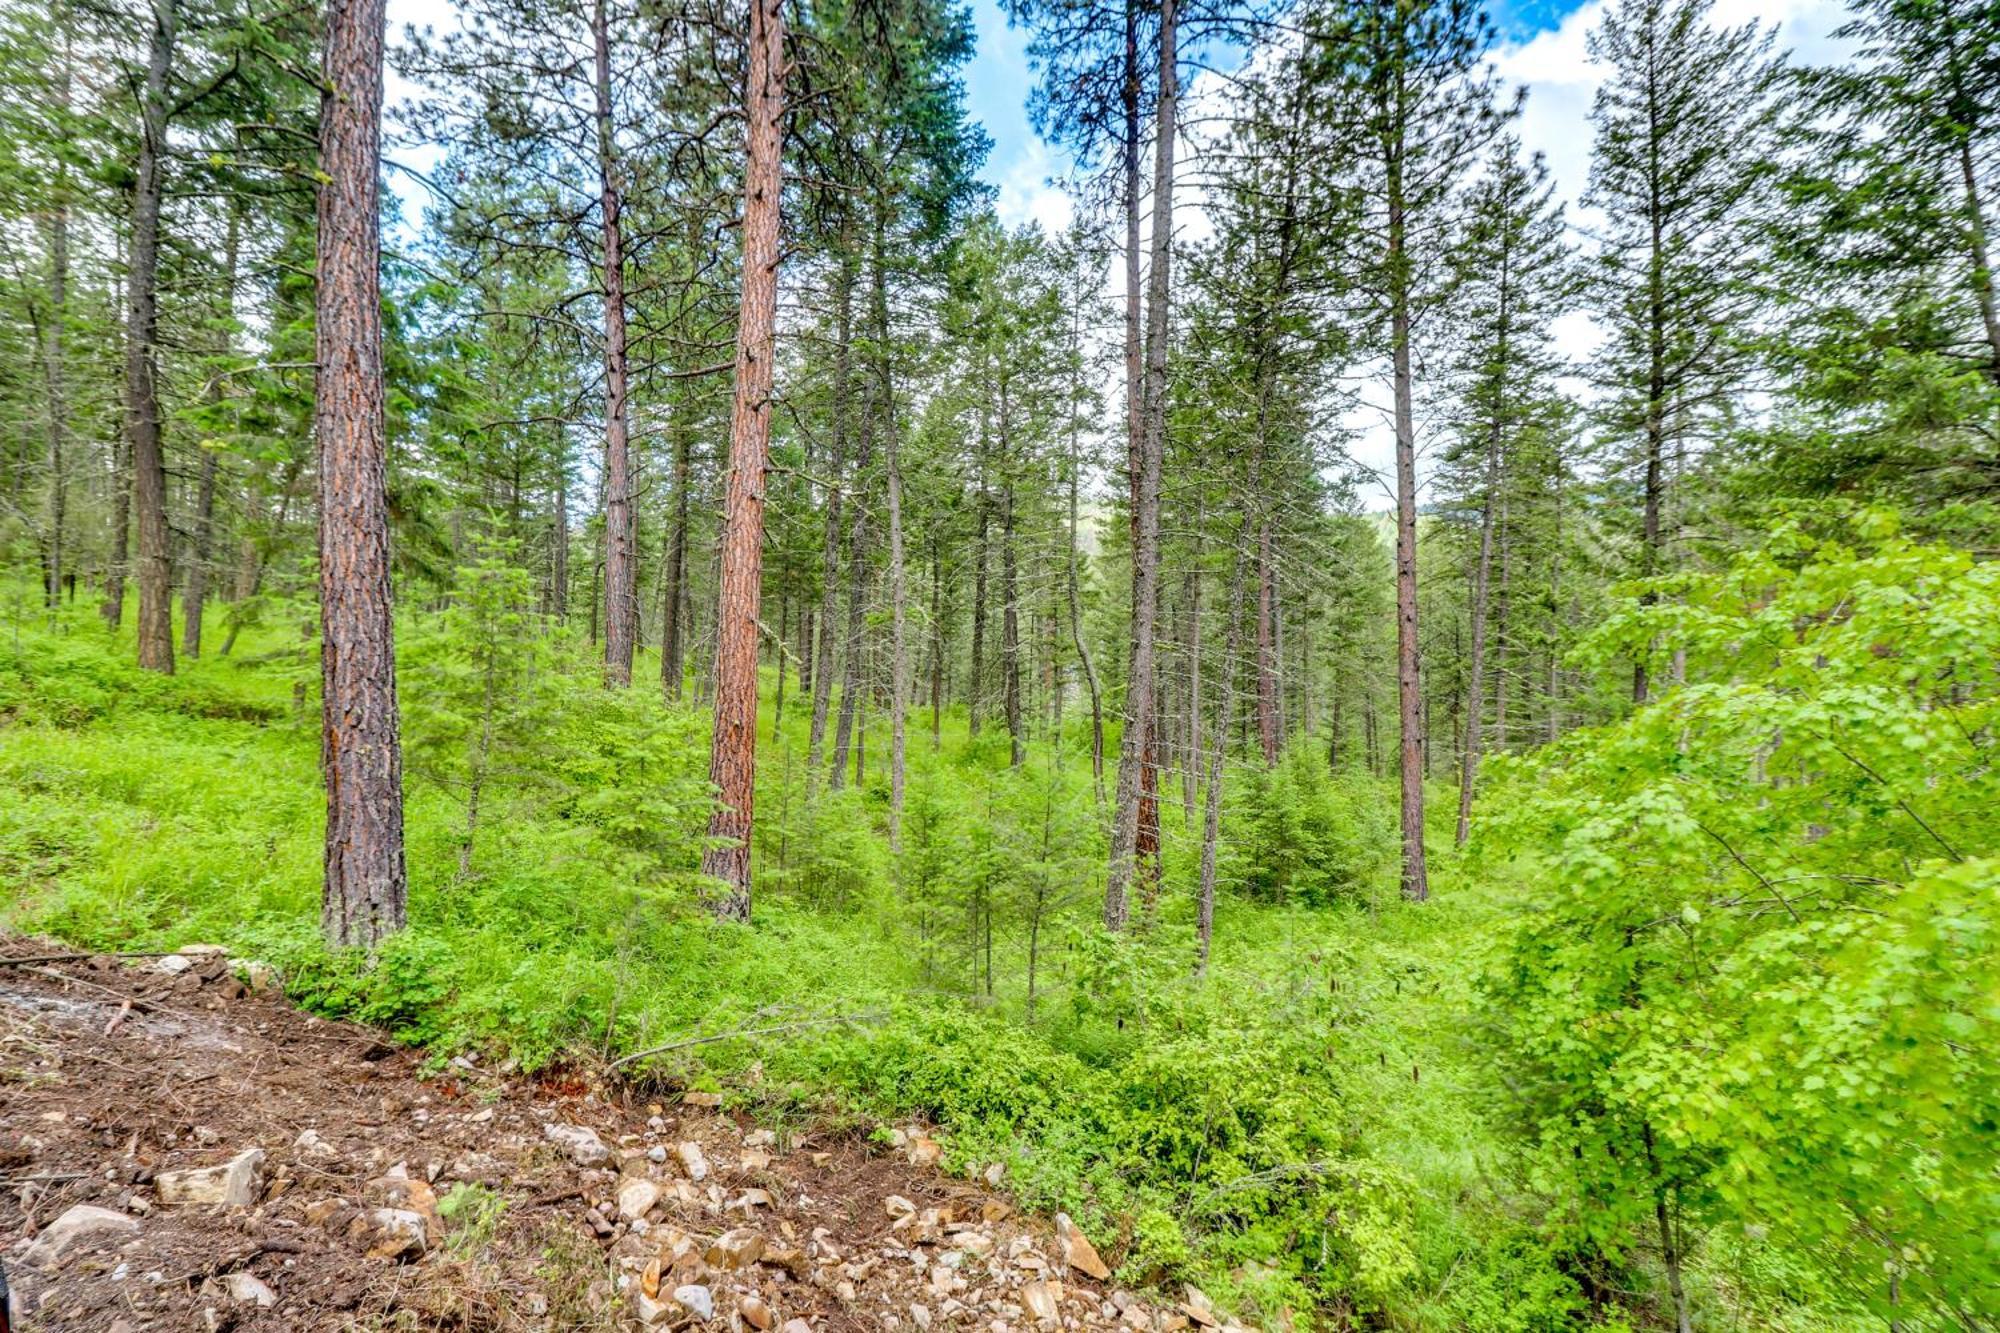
<point>1135,757</point>
<point>733,749</point>
<point>142,320</point>
<point>361,753</point>
<point>621,585</point>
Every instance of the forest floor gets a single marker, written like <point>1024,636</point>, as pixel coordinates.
<point>181,1151</point>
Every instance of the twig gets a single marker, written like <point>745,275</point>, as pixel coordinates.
<point>75,957</point>
<point>747,1032</point>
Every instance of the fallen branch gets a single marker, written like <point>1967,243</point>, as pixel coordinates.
<point>747,1032</point>
<point>77,957</point>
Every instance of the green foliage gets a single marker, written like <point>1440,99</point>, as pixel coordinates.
<point>1306,835</point>
<point>1756,968</point>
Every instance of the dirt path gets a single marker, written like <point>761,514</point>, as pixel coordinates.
<point>178,1152</point>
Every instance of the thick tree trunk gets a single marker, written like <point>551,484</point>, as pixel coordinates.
<point>1409,685</point>
<point>142,402</point>
<point>204,510</point>
<point>360,747</point>
<point>621,580</point>
<point>732,754</point>
<point>1136,761</point>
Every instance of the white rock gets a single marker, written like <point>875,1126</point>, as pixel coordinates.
<point>234,1184</point>
<point>312,1145</point>
<point>77,1224</point>
<point>697,1300</point>
<point>247,1289</point>
<point>636,1197</point>
<point>580,1142</point>
<point>692,1160</point>
<point>173,964</point>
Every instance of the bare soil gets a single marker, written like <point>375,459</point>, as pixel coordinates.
<point>114,1071</point>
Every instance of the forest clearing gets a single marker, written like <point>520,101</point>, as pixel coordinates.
<point>804,665</point>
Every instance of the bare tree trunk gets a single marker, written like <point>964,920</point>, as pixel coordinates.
<point>673,651</point>
<point>899,652</point>
<point>142,403</point>
<point>851,682</point>
<point>204,511</point>
<point>559,538</point>
<point>829,605</point>
<point>1076,633</point>
<point>53,352</point>
<point>1211,827</point>
<point>1135,758</point>
<point>732,754</point>
<point>1267,666</point>
<point>1475,685</point>
<point>1010,617</point>
<point>1409,685</point>
<point>982,559</point>
<point>361,751</point>
<point>1191,650</point>
<point>621,586</point>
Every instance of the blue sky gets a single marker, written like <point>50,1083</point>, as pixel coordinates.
<point>998,82</point>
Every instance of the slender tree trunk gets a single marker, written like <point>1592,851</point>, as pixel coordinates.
<point>621,583</point>
<point>673,651</point>
<point>1982,264</point>
<point>1010,616</point>
<point>559,538</point>
<point>204,512</point>
<point>1267,664</point>
<point>851,681</point>
<point>899,652</point>
<point>732,754</point>
<point>829,605</point>
<point>53,354</point>
<point>1475,685</point>
<point>1135,758</point>
<point>142,403</point>
<point>1191,650</point>
<point>360,746</point>
<point>982,560</point>
<point>1076,630</point>
<point>1409,685</point>
<point>937,643</point>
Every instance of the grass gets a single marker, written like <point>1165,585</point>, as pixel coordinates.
<point>1302,1130</point>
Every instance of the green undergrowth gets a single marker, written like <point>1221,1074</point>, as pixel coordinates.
<point>1301,1131</point>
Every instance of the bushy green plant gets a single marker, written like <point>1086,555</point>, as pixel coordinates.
<point>1755,968</point>
<point>1304,834</point>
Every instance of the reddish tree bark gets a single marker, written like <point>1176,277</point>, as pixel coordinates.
<point>360,751</point>
<point>733,751</point>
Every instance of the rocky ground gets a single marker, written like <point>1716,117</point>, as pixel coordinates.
<point>181,1149</point>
